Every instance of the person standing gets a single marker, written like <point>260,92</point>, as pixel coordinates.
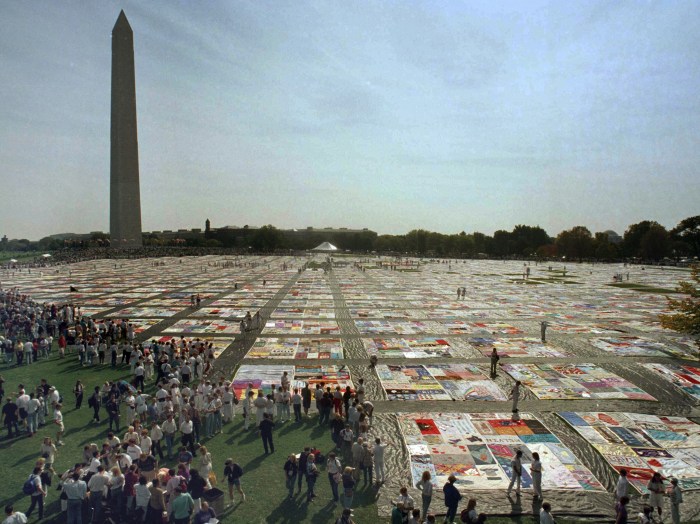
<point>78,392</point>
<point>96,486</point>
<point>14,517</point>
<point>296,404</point>
<point>623,486</point>
<point>515,395</point>
<point>348,487</point>
<point>75,491</point>
<point>335,472</point>
<point>58,420</point>
<point>621,509</point>
<point>311,475</point>
<point>425,486</point>
<point>546,514</point>
<point>656,492</point>
<point>536,473</point>
<point>306,398</point>
<point>266,433</point>
<point>10,413</point>
<point>182,506</point>
<point>494,361</point>
<point>452,498</point>
<point>367,463</point>
<point>303,460</point>
<point>113,412</point>
<point>543,330</point>
<point>95,402</point>
<point>676,496</point>
<point>516,466</point>
<point>379,450</point>
<point>291,470</point>
<point>156,503</point>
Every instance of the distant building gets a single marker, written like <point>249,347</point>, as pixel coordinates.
<point>613,237</point>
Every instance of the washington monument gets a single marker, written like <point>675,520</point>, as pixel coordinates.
<point>125,200</point>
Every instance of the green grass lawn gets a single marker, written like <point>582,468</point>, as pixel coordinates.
<point>643,288</point>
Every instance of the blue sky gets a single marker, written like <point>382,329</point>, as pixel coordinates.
<point>448,116</point>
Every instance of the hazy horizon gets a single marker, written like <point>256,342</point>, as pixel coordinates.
<point>449,117</point>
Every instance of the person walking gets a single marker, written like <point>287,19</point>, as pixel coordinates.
<point>536,473</point>
<point>291,470</point>
<point>515,395</point>
<point>452,498</point>
<point>37,494</point>
<point>676,496</point>
<point>425,486</point>
<point>266,433</point>
<point>335,473</point>
<point>516,466</point>
<point>233,473</point>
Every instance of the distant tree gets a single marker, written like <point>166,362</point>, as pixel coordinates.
<point>266,238</point>
<point>603,249</point>
<point>645,239</point>
<point>575,243</point>
<point>656,243</point>
<point>501,243</point>
<point>526,239</point>
<point>686,316</point>
<point>547,251</point>
<point>688,231</point>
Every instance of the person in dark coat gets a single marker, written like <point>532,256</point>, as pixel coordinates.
<point>452,498</point>
<point>266,433</point>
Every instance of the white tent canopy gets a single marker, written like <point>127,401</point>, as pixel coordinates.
<point>325,246</point>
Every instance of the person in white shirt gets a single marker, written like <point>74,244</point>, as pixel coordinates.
<point>187,429</point>
<point>169,428</point>
<point>623,486</point>
<point>133,450</point>
<point>379,449</point>
<point>143,495</point>
<point>14,517</point>
<point>96,485</point>
<point>546,514</point>
<point>248,409</point>
<point>32,408</point>
<point>58,420</point>
<point>227,399</point>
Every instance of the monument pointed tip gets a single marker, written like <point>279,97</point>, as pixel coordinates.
<point>122,23</point>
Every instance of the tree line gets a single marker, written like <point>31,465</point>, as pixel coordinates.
<point>646,240</point>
